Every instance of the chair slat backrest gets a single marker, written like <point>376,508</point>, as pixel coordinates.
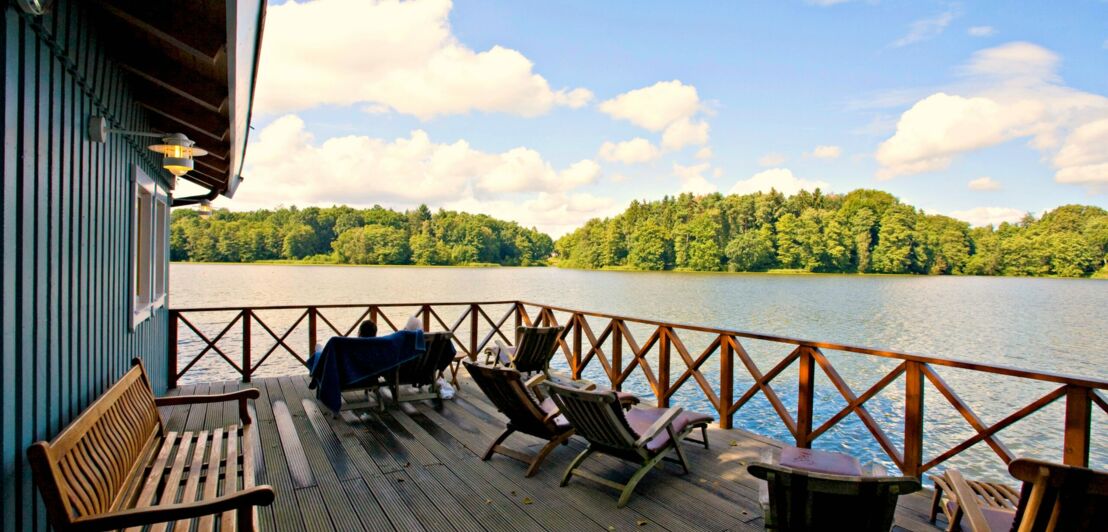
<point>425,369</point>
<point>505,389</point>
<point>1060,497</point>
<point>88,467</point>
<point>537,346</point>
<point>802,500</point>
<point>597,416</point>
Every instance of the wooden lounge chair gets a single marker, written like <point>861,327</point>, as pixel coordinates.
<point>989,494</point>
<point>812,499</point>
<point>507,391</point>
<point>424,371</point>
<point>535,348</point>
<point>1053,497</point>
<point>641,435</point>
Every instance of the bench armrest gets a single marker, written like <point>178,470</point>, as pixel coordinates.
<point>662,424</point>
<point>239,395</point>
<point>240,500</point>
<point>533,384</point>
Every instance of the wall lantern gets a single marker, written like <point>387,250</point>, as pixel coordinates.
<point>205,208</point>
<point>176,149</point>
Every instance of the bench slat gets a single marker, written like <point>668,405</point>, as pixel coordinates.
<point>173,481</point>
<point>195,472</point>
<point>211,481</point>
<point>231,478</point>
<point>154,476</point>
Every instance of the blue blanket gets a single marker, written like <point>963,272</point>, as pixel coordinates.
<point>350,362</point>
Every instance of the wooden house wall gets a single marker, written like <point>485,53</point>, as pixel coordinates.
<point>66,262</point>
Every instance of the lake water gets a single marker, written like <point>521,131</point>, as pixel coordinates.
<point>1055,325</point>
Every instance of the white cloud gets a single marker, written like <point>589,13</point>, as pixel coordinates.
<point>692,178</point>
<point>779,179</point>
<point>685,132</point>
<point>401,56</point>
<point>926,28</point>
<point>1010,92</point>
<point>288,166</point>
<point>982,216</point>
<point>771,159</point>
<point>984,183</point>
<point>704,153</point>
<point>825,152</point>
<point>981,31</point>
<point>667,106</point>
<point>636,150</point>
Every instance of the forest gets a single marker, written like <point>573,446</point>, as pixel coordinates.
<point>347,235</point>
<point>864,231</point>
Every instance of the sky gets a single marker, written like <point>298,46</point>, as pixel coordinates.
<point>552,113</point>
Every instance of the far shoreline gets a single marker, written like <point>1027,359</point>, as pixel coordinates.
<point>479,266</point>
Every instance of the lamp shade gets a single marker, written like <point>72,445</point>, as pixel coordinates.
<point>177,153</point>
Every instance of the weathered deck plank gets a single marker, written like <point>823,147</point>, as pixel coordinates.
<point>419,468</point>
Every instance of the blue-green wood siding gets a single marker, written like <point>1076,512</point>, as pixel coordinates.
<point>65,280</point>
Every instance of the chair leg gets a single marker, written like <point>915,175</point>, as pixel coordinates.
<point>573,465</point>
<point>244,519</point>
<point>681,456</point>
<point>550,445</point>
<point>629,487</point>
<point>936,500</point>
<point>704,434</point>
<point>499,439</point>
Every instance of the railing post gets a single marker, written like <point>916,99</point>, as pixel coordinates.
<point>473,332</point>
<point>519,322</point>
<point>426,311</point>
<point>311,330</point>
<point>577,369</point>
<point>247,317</point>
<point>372,317</point>
<point>171,340</point>
<point>726,381</point>
<point>663,367</point>
<point>1078,419</point>
<point>913,419</point>
<point>805,398</point>
<point>617,355</point>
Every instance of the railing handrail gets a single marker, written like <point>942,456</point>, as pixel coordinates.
<point>1045,376</point>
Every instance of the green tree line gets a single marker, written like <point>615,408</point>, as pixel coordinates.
<point>355,236</point>
<point>862,231</point>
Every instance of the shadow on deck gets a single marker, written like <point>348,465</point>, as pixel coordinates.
<point>419,468</point>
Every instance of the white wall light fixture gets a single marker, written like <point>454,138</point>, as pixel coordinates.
<point>176,149</point>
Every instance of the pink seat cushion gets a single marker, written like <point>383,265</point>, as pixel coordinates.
<point>641,419</point>
<point>998,518</point>
<point>820,461</point>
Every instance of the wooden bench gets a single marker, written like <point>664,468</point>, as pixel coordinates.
<point>116,466</point>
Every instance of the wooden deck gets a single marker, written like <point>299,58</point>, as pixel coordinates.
<point>419,468</point>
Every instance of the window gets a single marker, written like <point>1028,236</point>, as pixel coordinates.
<point>150,231</point>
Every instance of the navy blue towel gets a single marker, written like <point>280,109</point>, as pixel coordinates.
<point>347,362</point>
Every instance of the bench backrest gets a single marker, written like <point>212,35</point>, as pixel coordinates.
<point>596,415</point>
<point>1059,497</point>
<point>803,500</point>
<point>537,346</point>
<point>425,369</point>
<point>87,469</point>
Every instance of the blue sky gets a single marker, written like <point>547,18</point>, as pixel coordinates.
<point>505,107</point>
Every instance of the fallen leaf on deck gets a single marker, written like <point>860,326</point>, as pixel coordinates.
<point>734,443</point>
<point>527,500</point>
<point>641,522</point>
<point>488,501</point>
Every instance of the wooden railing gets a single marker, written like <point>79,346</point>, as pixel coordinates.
<point>620,355</point>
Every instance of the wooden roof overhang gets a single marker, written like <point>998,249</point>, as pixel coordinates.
<point>193,67</point>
